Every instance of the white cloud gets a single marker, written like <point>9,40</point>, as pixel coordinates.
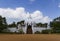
<point>32,0</point>
<point>21,14</point>
<point>59,5</point>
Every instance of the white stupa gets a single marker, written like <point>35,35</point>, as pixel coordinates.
<point>29,20</point>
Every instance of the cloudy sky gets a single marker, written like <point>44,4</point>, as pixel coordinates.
<point>39,10</point>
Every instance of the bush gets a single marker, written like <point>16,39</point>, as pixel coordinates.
<point>46,32</point>
<point>20,31</point>
<point>56,31</point>
<point>37,32</point>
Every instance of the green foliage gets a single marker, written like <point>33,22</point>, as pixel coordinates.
<point>21,31</point>
<point>58,18</point>
<point>21,22</point>
<point>47,31</point>
<point>12,25</point>
<point>3,23</point>
<point>41,25</point>
<point>37,32</point>
<point>55,25</point>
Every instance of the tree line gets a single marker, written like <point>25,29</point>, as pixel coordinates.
<point>54,25</point>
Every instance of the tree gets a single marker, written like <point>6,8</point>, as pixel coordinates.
<point>37,32</point>
<point>55,24</point>
<point>42,25</point>
<point>47,31</point>
<point>21,23</point>
<point>12,25</point>
<point>39,24</point>
<point>3,23</point>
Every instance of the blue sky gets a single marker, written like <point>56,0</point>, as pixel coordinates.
<point>47,7</point>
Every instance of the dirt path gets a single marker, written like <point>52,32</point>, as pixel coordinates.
<point>29,37</point>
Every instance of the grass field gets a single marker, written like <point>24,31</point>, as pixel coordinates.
<point>29,37</point>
